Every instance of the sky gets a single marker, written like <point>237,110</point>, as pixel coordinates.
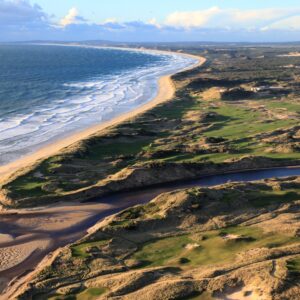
<point>150,20</point>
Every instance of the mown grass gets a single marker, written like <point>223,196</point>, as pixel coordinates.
<point>91,294</point>
<point>242,122</point>
<point>239,125</point>
<point>212,250</point>
<point>80,250</point>
<point>288,105</point>
<point>87,294</point>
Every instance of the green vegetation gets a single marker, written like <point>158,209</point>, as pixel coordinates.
<point>291,106</point>
<point>91,294</point>
<point>80,250</point>
<point>202,296</point>
<point>87,294</point>
<point>293,266</point>
<point>234,127</point>
<point>265,198</point>
<point>214,249</point>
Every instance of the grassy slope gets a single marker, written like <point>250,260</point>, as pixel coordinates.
<point>212,250</point>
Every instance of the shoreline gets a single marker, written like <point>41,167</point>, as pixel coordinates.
<point>165,92</point>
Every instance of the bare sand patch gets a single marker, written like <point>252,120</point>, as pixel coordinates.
<point>213,93</point>
<point>291,54</point>
<point>5,238</point>
<point>13,256</point>
<point>231,237</point>
<point>194,116</point>
<point>53,222</point>
<point>192,246</point>
<point>243,293</point>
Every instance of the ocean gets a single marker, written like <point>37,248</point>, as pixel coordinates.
<point>48,92</point>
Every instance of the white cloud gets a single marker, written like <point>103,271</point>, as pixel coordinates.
<point>72,17</point>
<point>155,23</point>
<point>110,21</point>
<point>216,17</point>
<point>20,12</point>
<point>192,18</point>
<point>291,23</point>
<point>256,15</point>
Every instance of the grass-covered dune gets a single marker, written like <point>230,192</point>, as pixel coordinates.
<point>229,241</point>
<point>238,111</point>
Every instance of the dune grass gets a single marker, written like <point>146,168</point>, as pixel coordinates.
<point>293,266</point>
<point>265,198</point>
<point>202,296</point>
<point>91,294</point>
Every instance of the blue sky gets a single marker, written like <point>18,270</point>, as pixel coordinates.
<point>151,20</point>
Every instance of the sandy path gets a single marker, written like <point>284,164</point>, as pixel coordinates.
<point>165,92</point>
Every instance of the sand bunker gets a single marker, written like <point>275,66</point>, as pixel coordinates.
<point>192,246</point>
<point>243,293</point>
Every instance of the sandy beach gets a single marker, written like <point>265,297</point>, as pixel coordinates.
<point>165,92</point>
